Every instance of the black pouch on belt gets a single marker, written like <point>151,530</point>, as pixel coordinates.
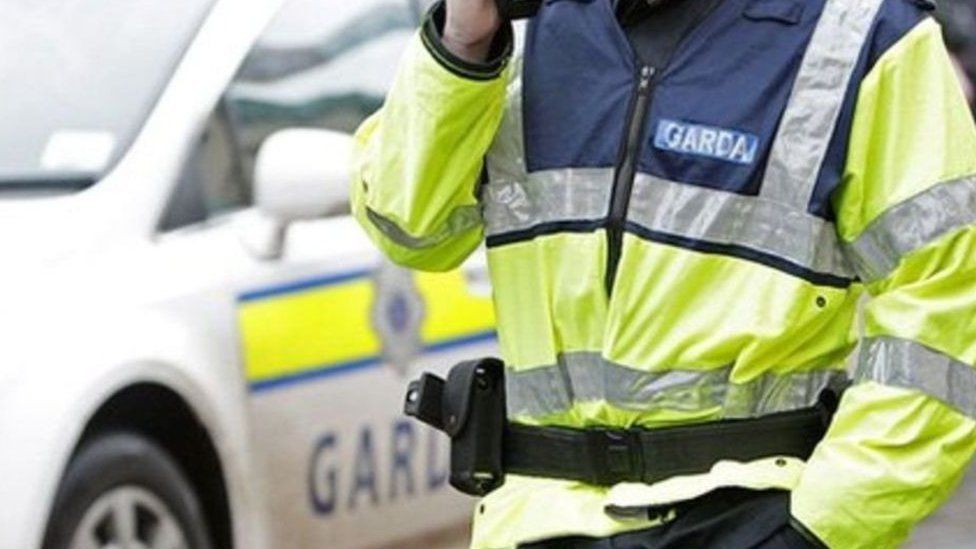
<point>470,408</point>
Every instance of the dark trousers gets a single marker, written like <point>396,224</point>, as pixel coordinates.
<point>730,518</point>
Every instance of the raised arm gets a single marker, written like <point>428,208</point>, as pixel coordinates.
<point>419,160</point>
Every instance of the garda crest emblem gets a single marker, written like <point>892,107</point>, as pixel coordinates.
<point>397,314</point>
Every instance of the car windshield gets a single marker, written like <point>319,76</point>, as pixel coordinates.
<point>79,79</point>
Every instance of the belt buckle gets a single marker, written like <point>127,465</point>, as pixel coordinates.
<point>617,456</point>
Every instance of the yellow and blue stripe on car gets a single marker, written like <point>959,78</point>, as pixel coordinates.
<point>318,327</point>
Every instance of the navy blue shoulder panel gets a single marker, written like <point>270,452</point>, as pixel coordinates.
<point>728,83</point>
<point>577,78</point>
<point>894,21</point>
<point>727,86</point>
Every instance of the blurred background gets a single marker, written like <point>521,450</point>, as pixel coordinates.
<point>958,18</point>
<point>201,349</point>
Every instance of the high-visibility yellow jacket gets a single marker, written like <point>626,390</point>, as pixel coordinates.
<point>688,243</point>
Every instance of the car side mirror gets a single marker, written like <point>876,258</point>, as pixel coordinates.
<point>300,174</point>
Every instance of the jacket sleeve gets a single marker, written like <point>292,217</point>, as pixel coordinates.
<point>418,160</point>
<point>904,432</point>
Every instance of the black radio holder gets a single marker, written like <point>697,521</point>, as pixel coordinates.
<point>470,408</point>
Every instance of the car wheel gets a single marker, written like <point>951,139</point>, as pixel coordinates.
<point>122,491</point>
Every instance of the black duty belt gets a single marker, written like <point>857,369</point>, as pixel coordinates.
<point>469,406</point>
<point>605,457</point>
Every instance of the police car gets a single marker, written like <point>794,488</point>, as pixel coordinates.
<point>201,349</point>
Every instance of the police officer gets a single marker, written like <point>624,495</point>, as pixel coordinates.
<point>683,203</point>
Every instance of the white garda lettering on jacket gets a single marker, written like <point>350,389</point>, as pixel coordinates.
<point>696,139</point>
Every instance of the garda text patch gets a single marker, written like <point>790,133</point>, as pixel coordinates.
<point>718,143</point>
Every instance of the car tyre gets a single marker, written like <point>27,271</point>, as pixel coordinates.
<point>123,490</point>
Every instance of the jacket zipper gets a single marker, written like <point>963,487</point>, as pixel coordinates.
<point>623,180</point>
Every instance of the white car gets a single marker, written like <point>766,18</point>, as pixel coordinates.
<point>183,366</point>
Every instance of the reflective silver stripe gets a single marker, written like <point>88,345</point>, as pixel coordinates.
<point>771,393</point>
<point>815,102</point>
<point>726,218</point>
<point>547,197</point>
<point>910,365</point>
<point>678,209</point>
<point>586,377</point>
<point>505,160</point>
<point>515,200</point>
<point>911,225</point>
<point>461,219</point>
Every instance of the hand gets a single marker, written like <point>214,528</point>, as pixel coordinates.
<point>470,27</point>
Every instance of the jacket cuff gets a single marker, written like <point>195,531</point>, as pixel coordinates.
<point>498,55</point>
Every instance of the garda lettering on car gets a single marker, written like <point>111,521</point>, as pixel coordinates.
<point>367,328</point>
<point>708,141</point>
<point>361,470</point>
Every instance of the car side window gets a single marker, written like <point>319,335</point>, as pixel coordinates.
<point>318,64</point>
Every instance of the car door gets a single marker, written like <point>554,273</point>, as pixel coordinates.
<point>328,332</point>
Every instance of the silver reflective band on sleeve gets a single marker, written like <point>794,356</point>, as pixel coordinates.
<point>722,217</point>
<point>815,102</point>
<point>547,197</point>
<point>462,219</point>
<point>903,363</point>
<point>912,224</point>
<point>586,377</point>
